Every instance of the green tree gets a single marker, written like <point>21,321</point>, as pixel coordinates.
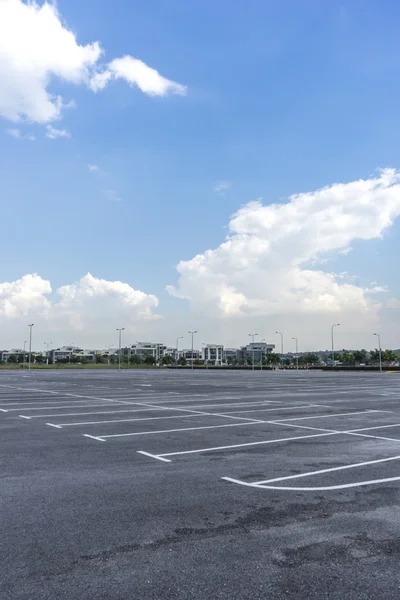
<point>12,359</point>
<point>168,359</point>
<point>135,359</point>
<point>309,358</point>
<point>149,360</point>
<point>182,361</point>
<point>347,358</point>
<point>273,359</point>
<point>360,356</point>
<point>389,356</point>
<point>99,359</point>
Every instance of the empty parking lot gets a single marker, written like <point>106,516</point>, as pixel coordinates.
<point>164,484</point>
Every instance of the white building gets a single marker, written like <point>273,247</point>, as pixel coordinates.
<point>213,353</point>
<point>145,349</point>
<point>69,353</point>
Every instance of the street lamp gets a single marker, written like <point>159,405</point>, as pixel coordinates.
<point>120,330</point>
<point>253,335</point>
<point>261,354</point>
<point>47,353</point>
<point>192,334</point>
<point>297,352</point>
<point>380,351</point>
<point>177,349</point>
<point>30,345</point>
<point>333,346</point>
<point>281,334</point>
<point>24,360</point>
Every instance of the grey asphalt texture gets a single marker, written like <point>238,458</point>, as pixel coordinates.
<point>91,517</point>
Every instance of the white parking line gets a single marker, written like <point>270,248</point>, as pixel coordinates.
<point>54,407</point>
<point>348,414</point>
<point>248,444</point>
<point>265,484</point>
<point>115,435</point>
<point>153,456</point>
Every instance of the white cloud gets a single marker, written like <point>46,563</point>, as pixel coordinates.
<point>112,195</point>
<point>36,47</point>
<point>263,266</point>
<point>136,72</point>
<point>18,298</point>
<point>90,305</point>
<point>222,186</point>
<point>93,168</point>
<point>91,300</point>
<point>53,133</point>
<point>17,133</point>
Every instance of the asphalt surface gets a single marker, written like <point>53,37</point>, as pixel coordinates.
<point>177,485</point>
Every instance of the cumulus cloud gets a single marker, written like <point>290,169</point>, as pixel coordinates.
<point>93,168</point>
<point>36,47</point>
<point>18,298</point>
<point>53,133</point>
<point>88,303</point>
<point>264,265</point>
<point>17,134</point>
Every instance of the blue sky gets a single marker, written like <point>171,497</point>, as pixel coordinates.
<point>282,98</point>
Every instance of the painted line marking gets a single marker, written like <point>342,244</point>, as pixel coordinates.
<point>313,489</point>
<point>348,414</point>
<point>329,470</point>
<point>275,441</point>
<point>55,407</point>
<point>93,437</point>
<point>115,435</point>
<point>24,417</point>
<point>52,425</point>
<point>153,456</point>
<point>2,410</point>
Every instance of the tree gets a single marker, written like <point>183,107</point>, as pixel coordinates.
<point>374,355</point>
<point>347,358</point>
<point>168,359</point>
<point>310,358</point>
<point>149,360</point>
<point>273,359</point>
<point>12,358</point>
<point>360,356</point>
<point>135,359</point>
<point>182,361</point>
<point>99,359</point>
<point>389,356</point>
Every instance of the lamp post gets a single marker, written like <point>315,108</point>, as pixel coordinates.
<point>261,360</point>
<point>30,345</point>
<point>47,344</point>
<point>380,351</point>
<point>120,330</point>
<point>24,359</point>
<point>297,352</point>
<point>177,349</point>
<point>192,334</point>
<point>253,335</point>
<point>281,334</point>
<point>333,345</point>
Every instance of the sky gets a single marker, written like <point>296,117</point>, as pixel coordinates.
<point>225,167</point>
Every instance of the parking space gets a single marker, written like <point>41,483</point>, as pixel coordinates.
<point>234,439</point>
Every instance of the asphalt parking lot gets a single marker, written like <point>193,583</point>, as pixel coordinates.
<point>148,484</point>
